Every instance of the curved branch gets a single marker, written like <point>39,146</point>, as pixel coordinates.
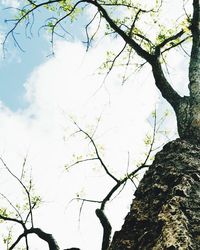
<point>17,241</point>
<point>81,161</point>
<point>41,234</point>
<point>176,44</point>
<point>18,21</point>
<point>11,204</point>
<point>62,18</point>
<point>23,186</point>
<point>163,85</point>
<point>12,219</point>
<point>113,61</point>
<point>140,51</point>
<point>107,228</point>
<point>170,39</point>
<point>89,39</point>
<point>134,21</point>
<point>115,187</point>
<point>144,38</point>
<point>133,173</point>
<point>46,237</point>
<point>100,212</point>
<point>97,153</point>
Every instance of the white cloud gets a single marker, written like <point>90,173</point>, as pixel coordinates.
<point>10,3</point>
<point>1,41</point>
<point>66,85</point>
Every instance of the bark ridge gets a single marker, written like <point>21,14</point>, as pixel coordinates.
<point>165,211</point>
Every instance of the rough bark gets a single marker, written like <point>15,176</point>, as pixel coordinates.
<point>165,211</point>
<point>194,74</point>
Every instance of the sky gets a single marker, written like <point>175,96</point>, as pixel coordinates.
<point>41,96</point>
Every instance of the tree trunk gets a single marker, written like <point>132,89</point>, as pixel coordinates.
<point>194,73</point>
<point>165,211</point>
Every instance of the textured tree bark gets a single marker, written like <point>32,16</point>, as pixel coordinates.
<point>165,211</point>
<point>194,74</point>
<point>187,108</point>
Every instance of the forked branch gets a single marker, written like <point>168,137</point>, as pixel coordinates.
<point>97,153</point>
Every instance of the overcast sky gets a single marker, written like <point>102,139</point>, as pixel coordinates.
<point>39,94</point>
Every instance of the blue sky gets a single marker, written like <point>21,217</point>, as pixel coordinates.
<point>49,90</point>
<point>46,91</point>
<point>17,65</point>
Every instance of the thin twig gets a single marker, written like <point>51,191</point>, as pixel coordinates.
<point>97,153</point>
<point>86,30</point>
<point>11,204</point>
<point>24,187</point>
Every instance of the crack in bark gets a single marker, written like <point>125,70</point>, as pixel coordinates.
<point>164,214</point>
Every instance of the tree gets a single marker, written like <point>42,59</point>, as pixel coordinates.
<point>164,214</point>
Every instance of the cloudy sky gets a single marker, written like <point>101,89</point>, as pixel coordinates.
<point>39,97</point>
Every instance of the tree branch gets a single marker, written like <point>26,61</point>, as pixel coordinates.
<point>134,21</point>
<point>113,61</point>
<point>176,44</point>
<point>41,234</point>
<point>169,39</point>
<point>11,204</point>
<point>18,21</point>
<point>100,211</point>
<point>89,39</point>
<point>12,219</point>
<point>23,186</point>
<point>97,153</point>
<point>163,85</point>
<point>140,51</point>
<point>62,18</point>
<point>107,229</point>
